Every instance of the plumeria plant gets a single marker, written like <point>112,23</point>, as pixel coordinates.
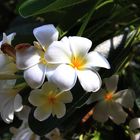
<point>67,73</point>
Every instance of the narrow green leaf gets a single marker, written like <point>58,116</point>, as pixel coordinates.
<point>95,7</point>
<point>35,7</point>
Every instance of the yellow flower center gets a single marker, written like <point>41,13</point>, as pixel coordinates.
<point>43,61</point>
<point>51,99</point>
<point>78,62</point>
<point>42,58</point>
<point>108,96</point>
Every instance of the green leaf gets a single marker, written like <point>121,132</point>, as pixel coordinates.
<point>35,7</point>
<point>97,136</point>
<point>73,16</point>
<point>90,13</point>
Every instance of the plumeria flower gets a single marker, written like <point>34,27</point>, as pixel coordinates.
<point>31,58</point>
<point>7,56</point>
<point>74,61</point>
<point>10,100</point>
<point>49,100</point>
<point>23,132</point>
<point>110,102</point>
<point>133,125</point>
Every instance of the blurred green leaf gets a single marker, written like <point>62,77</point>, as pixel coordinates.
<point>35,7</point>
<point>95,7</point>
<point>96,135</point>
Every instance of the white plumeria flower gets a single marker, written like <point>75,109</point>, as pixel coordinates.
<point>74,61</point>
<point>133,125</point>
<point>31,58</point>
<point>10,100</point>
<point>23,132</point>
<point>49,100</point>
<point>110,102</point>
<point>7,65</point>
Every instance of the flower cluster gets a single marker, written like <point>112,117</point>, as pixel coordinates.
<point>60,62</point>
<point>51,68</point>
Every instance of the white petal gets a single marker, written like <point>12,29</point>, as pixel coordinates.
<point>46,34</point>
<point>59,109</point>
<point>100,112</point>
<point>23,134</point>
<point>7,39</point>
<point>35,76</point>
<point>4,39</point>
<point>3,60</point>
<point>36,97</point>
<point>42,113</point>
<point>105,47</point>
<point>18,103</point>
<point>65,97</point>
<point>95,96</point>
<point>24,113</point>
<point>49,87</point>
<point>111,83</point>
<point>27,57</point>
<point>50,70</point>
<point>58,52</point>
<point>134,123</point>
<point>125,98</point>
<point>134,136</point>
<point>64,77</point>
<point>80,45</point>
<point>117,41</point>
<point>10,37</point>
<point>90,80</point>
<point>4,97</point>
<point>95,59</point>
<point>116,113</point>
<point>7,111</point>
